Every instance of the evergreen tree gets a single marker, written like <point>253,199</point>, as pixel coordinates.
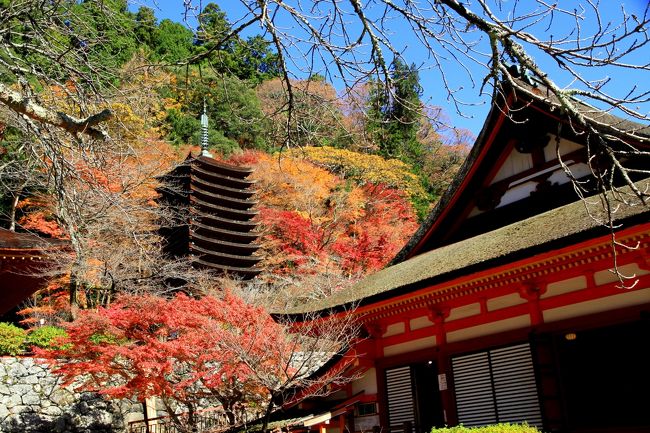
<point>394,114</point>
<point>405,112</point>
<point>173,42</point>
<point>211,40</point>
<point>256,61</point>
<point>251,59</point>
<point>236,120</point>
<point>378,107</point>
<point>394,117</point>
<point>110,26</point>
<point>213,28</point>
<point>145,27</point>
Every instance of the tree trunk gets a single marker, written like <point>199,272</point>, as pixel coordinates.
<point>228,410</point>
<point>145,413</point>
<point>12,212</point>
<point>267,414</point>
<point>74,292</point>
<point>231,417</point>
<point>180,425</point>
<point>75,271</point>
<point>192,422</point>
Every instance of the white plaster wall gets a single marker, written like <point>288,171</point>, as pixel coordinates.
<point>504,301</point>
<point>464,311</point>
<point>366,383</point>
<point>566,146</point>
<point>420,322</point>
<point>517,193</point>
<point>394,329</point>
<point>365,423</point>
<point>489,328</point>
<point>626,298</point>
<point>515,163</point>
<point>607,276</point>
<point>410,346</point>
<point>565,286</point>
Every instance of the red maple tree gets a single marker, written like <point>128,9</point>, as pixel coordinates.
<point>317,222</point>
<point>190,353</point>
<point>181,350</point>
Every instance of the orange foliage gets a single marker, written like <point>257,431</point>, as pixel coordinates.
<point>38,217</point>
<point>52,304</point>
<point>41,221</point>
<point>314,220</point>
<point>316,115</point>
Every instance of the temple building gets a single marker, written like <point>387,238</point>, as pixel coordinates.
<point>213,209</point>
<point>23,268</point>
<point>510,304</point>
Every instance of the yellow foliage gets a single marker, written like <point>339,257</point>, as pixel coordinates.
<point>125,121</point>
<point>364,168</point>
<point>285,182</point>
<point>295,184</point>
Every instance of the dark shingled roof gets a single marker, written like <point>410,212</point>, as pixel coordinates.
<point>26,241</point>
<point>544,232</point>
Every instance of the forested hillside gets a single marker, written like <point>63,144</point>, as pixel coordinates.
<point>343,178</point>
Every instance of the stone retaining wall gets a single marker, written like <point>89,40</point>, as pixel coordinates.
<point>32,400</point>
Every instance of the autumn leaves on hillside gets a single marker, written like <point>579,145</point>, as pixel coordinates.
<point>342,181</point>
<point>332,213</point>
<point>343,178</point>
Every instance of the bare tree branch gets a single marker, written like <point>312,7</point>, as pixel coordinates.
<point>18,103</point>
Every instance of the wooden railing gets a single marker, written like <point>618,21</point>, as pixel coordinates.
<point>213,421</point>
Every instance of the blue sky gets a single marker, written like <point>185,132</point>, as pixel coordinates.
<point>473,114</point>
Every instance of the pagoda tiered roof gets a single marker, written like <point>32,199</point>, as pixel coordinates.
<point>218,198</point>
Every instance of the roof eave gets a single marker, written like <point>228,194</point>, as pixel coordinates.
<point>497,111</point>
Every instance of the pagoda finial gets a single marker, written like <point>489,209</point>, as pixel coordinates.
<point>204,132</point>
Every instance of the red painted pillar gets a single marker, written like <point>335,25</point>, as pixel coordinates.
<point>376,330</point>
<point>438,316</point>
<point>531,292</point>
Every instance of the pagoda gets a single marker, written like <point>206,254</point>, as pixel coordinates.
<point>212,206</point>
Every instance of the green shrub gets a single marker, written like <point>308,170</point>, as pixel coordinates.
<point>101,339</point>
<point>496,428</point>
<point>46,337</point>
<point>12,339</point>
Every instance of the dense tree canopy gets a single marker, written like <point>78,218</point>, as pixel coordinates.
<point>316,221</point>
